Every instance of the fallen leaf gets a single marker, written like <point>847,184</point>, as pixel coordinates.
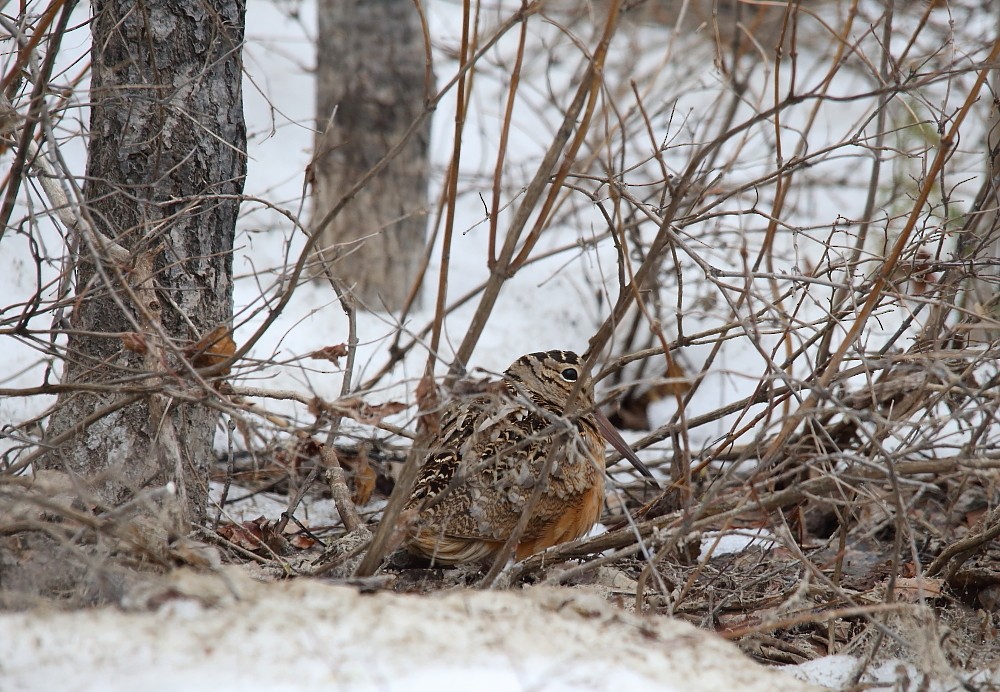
<point>257,536</point>
<point>195,553</point>
<point>732,622</point>
<point>914,589</point>
<point>974,516</point>
<point>301,541</point>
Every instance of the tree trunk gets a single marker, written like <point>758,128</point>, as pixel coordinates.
<point>370,79</point>
<point>167,138</point>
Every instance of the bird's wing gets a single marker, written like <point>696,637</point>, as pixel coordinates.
<point>479,479</point>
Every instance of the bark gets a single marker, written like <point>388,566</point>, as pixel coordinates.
<point>371,71</point>
<point>167,136</point>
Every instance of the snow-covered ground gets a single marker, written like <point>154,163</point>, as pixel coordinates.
<point>225,631</point>
<point>306,635</point>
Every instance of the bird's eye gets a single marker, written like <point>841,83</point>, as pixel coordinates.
<point>569,374</point>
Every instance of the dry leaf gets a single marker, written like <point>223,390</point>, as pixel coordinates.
<point>195,553</point>
<point>362,476</point>
<point>675,383</point>
<point>974,516</point>
<point>678,383</point>
<point>919,271</point>
<point>366,413</point>
<point>302,449</point>
<point>317,406</point>
<point>631,413</point>
<point>133,341</point>
<point>212,349</point>
<point>364,485</point>
<point>310,174</point>
<point>633,410</point>
<point>246,535</point>
<point>301,541</point>
<point>331,353</point>
<point>257,536</point>
<point>732,622</point>
<point>913,589</point>
<point>989,597</point>
<point>389,408</point>
<point>428,403</point>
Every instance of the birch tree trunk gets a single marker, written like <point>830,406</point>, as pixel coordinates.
<point>370,88</point>
<point>167,143</point>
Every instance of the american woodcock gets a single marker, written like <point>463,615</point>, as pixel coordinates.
<point>493,449</point>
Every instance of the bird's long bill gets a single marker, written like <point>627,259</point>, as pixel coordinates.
<point>609,433</point>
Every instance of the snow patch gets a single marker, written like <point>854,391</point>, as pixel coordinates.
<point>306,635</point>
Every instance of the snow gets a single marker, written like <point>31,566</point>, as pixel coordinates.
<point>714,544</point>
<point>305,635</point>
<point>837,671</point>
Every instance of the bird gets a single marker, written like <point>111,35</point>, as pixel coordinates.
<point>539,425</point>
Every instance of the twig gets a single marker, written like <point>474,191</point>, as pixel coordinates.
<point>338,486</point>
<point>67,212</point>
<point>230,426</point>
<point>964,548</point>
<point>888,267</point>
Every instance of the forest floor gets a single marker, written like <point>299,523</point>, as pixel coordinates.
<point>238,611</point>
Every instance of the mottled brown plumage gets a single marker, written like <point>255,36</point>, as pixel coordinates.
<point>482,469</point>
